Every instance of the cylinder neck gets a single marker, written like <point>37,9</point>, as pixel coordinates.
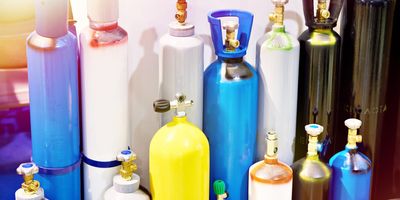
<point>312,145</point>
<point>271,153</point>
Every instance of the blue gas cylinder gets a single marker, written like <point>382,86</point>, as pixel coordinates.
<point>351,178</point>
<point>231,103</point>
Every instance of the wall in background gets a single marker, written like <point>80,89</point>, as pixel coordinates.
<point>146,22</point>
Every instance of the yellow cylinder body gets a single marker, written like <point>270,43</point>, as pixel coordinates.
<point>179,162</point>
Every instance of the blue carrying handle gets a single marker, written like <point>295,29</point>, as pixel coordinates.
<point>245,24</point>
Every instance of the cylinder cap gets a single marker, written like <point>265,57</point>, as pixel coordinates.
<point>103,10</point>
<point>243,34</point>
<point>219,187</point>
<point>181,30</point>
<point>353,123</point>
<point>314,129</point>
<point>51,17</point>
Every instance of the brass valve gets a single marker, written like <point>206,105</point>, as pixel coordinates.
<point>322,11</point>
<point>27,170</point>
<point>181,14</point>
<point>128,167</point>
<point>352,137</point>
<point>231,43</point>
<point>278,15</point>
<point>313,131</point>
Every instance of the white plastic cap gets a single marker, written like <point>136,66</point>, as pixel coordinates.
<point>314,129</point>
<point>125,155</point>
<point>353,123</point>
<point>103,10</point>
<point>27,169</point>
<point>51,17</point>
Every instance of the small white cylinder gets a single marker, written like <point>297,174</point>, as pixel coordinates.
<point>181,69</point>
<point>125,190</point>
<point>21,195</point>
<point>279,71</point>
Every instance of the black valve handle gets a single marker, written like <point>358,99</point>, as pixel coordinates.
<point>161,106</point>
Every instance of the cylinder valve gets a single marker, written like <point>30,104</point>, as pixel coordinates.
<point>352,137</point>
<point>278,15</point>
<point>313,131</point>
<point>322,11</point>
<point>181,14</point>
<point>128,166</point>
<point>179,105</point>
<point>231,43</point>
<point>27,170</point>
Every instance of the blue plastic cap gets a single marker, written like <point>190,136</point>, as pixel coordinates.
<point>243,35</point>
<point>126,152</point>
<point>27,165</point>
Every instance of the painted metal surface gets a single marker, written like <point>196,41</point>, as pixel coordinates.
<point>54,111</point>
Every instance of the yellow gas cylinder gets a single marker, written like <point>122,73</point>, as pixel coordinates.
<point>179,156</point>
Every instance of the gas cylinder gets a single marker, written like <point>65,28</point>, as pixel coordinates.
<point>126,183</point>
<point>351,169</point>
<point>30,188</point>
<point>311,176</point>
<point>104,89</point>
<point>318,69</point>
<point>230,103</point>
<point>179,156</point>
<point>277,62</point>
<point>270,177</point>
<point>52,57</point>
<point>368,92</point>
<point>181,65</point>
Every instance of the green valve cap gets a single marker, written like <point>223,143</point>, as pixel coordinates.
<point>219,187</point>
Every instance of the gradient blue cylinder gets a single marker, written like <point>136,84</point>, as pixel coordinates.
<point>54,112</point>
<point>230,108</point>
<point>230,122</point>
<point>351,176</point>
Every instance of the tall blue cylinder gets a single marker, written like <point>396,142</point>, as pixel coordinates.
<point>230,108</point>
<point>53,92</point>
<point>351,175</point>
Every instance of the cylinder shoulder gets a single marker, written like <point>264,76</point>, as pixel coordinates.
<point>278,41</point>
<point>178,136</point>
<point>320,37</point>
<point>314,169</point>
<point>37,41</point>
<point>351,160</point>
<point>182,42</point>
<point>99,38</point>
<point>277,173</point>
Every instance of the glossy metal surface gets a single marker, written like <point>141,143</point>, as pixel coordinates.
<point>369,89</point>
<point>319,61</point>
<point>53,91</point>
<point>351,175</point>
<point>230,122</point>
<point>311,179</point>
